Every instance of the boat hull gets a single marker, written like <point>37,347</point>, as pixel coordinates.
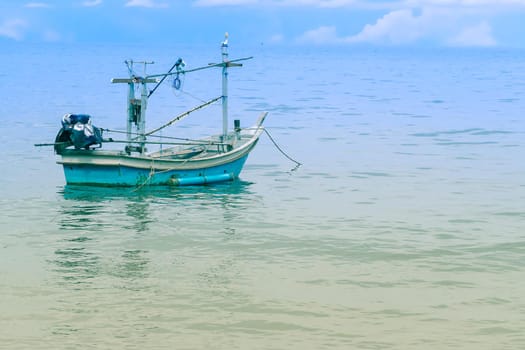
<point>117,168</point>
<point>121,175</point>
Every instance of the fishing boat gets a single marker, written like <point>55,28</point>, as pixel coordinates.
<point>175,161</point>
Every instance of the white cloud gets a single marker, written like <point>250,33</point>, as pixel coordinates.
<point>37,5</point>
<point>210,3</point>
<point>442,26</point>
<point>477,35</point>
<point>282,3</point>
<point>91,3</point>
<point>471,3</point>
<point>406,27</point>
<point>51,36</point>
<point>386,4</point>
<point>325,35</point>
<point>13,29</point>
<point>145,3</point>
<point>276,39</point>
<point>396,27</point>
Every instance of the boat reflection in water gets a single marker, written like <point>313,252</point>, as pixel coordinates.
<point>116,233</point>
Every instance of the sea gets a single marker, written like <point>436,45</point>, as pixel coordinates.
<point>403,227</point>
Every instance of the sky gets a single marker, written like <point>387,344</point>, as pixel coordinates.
<point>406,23</point>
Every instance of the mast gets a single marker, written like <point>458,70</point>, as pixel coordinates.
<point>136,107</point>
<point>224,49</point>
<point>141,124</point>
<point>129,123</point>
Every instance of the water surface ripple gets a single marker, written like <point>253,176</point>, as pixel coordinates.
<point>403,228</point>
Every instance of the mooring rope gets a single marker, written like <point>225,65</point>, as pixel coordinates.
<point>153,172</point>
<point>298,164</point>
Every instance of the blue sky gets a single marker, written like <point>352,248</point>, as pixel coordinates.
<point>434,23</point>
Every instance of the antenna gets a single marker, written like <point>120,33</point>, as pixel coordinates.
<point>130,63</point>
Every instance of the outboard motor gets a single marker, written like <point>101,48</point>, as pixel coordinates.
<point>78,131</point>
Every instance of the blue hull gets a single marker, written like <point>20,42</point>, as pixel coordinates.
<point>119,175</point>
<point>175,166</point>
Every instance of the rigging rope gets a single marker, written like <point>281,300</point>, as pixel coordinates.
<point>179,117</point>
<point>193,96</point>
<point>187,140</point>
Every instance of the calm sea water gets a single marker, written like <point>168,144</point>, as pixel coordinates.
<point>403,229</point>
